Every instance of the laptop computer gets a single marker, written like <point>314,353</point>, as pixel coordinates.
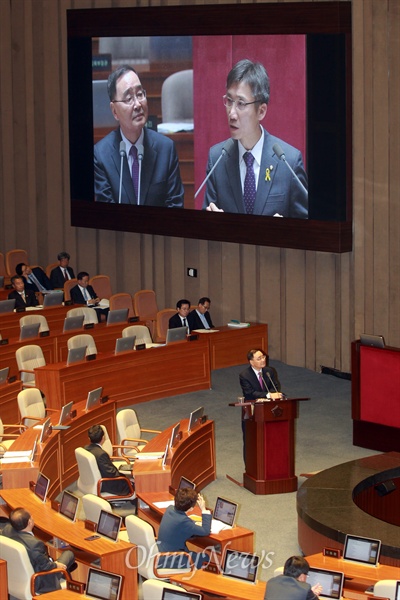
<point>42,487</point>
<point>103,585</point>
<point>4,375</point>
<point>76,355</point>
<point>194,418</point>
<point>185,483</point>
<point>64,416</point>
<point>71,323</point>
<point>120,315</point>
<point>45,430</point>
<point>125,344</point>
<point>241,566</point>
<point>178,334</point>
<point>109,525</point>
<point>93,398</point>
<point>174,435</point>
<point>7,306</point>
<point>169,594</point>
<point>69,505</point>
<point>331,582</point>
<point>29,331</point>
<point>362,550</point>
<point>375,341</point>
<point>55,298</point>
<point>224,515</point>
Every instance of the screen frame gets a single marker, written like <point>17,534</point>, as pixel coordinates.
<point>317,571</point>
<point>117,519</point>
<point>93,398</point>
<point>350,537</point>
<point>41,477</point>
<point>194,418</point>
<point>225,501</point>
<point>231,552</point>
<point>107,575</point>
<point>271,18</point>
<point>75,499</point>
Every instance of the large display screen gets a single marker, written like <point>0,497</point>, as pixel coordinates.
<point>306,50</point>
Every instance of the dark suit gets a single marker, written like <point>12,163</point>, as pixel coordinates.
<point>57,277</point>
<point>161,183</point>
<point>176,321</point>
<point>288,588</point>
<point>41,277</point>
<point>39,557</point>
<point>30,299</point>
<point>195,322</point>
<point>277,190</point>
<point>250,384</point>
<point>176,528</point>
<point>77,298</point>
<point>108,469</point>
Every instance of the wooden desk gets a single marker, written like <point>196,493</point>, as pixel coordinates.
<point>193,457</point>
<point>130,377</point>
<point>357,577</point>
<point>8,402</point>
<point>3,580</point>
<point>116,557</point>
<point>9,322</point>
<point>229,345</point>
<point>56,456</point>
<point>220,585</point>
<point>238,538</point>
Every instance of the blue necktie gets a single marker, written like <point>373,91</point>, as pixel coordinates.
<point>249,189</point>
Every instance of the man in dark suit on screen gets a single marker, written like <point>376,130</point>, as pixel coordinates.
<point>250,178</point>
<point>20,529</point>
<point>148,156</point>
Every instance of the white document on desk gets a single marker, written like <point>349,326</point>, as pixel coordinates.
<point>164,503</point>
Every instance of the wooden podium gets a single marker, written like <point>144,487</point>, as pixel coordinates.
<point>270,446</point>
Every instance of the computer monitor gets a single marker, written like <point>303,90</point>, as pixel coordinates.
<point>362,550</point>
<point>76,355</point>
<point>331,582</point>
<point>178,334</point>
<point>241,566</point>
<point>4,375</point>
<point>120,315</point>
<point>125,344</point>
<point>194,418</point>
<point>53,298</point>
<point>169,594</point>
<point>103,585</point>
<point>93,398</point>
<point>109,525</point>
<point>42,487</point>
<point>7,306</point>
<point>69,505</point>
<point>375,341</point>
<point>174,435</point>
<point>185,483</point>
<point>29,331</point>
<point>65,414</point>
<point>225,511</point>
<point>45,430</point>
<point>71,323</point>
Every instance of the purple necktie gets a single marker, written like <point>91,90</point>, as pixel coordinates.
<point>249,190</point>
<point>135,170</point>
<point>260,379</point>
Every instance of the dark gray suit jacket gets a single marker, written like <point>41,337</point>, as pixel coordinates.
<point>283,587</point>
<point>57,277</point>
<point>251,386</point>
<point>161,183</point>
<point>195,322</point>
<point>281,194</point>
<point>108,469</point>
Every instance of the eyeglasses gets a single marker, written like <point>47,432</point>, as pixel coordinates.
<point>140,96</point>
<point>240,104</point>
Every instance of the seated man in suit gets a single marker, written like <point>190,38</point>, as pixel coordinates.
<point>59,275</point>
<point>147,152</point>
<point>23,297</point>
<point>180,319</point>
<point>200,318</point>
<point>119,487</point>
<point>292,585</point>
<point>251,178</point>
<point>83,293</point>
<point>20,529</point>
<point>35,279</point>
<point>176,528</point>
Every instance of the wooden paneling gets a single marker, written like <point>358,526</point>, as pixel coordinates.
<point>314,303</point>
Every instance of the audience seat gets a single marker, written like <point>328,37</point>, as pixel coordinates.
<point>31,407</point>
<point>83,339</point>
<point>162,323</point>
<point>67,288</point>
<point>92,505</point>
<point>50,267</point>
<point>177,98</point>
<point>122,300</point>
<point>114,452</point>
<point>32,319</point>
<point>28,358</point>
<point>141,332</point>
<point>130,434</point>
<point>152,589</point>
<point>385,588</point>
<point>89,314</point>
<point>3,271</point>
<point>101,285</point>
<point>13,258</point>
<point>6,443</point>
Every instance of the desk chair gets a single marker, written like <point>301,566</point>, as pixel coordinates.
<point>145,305</point>
<point>32,319</point>
<point>152,589</point>
<point>89,314</point>
<point>141,533</point>
<point>122,300</point>
<point>101,285</point>
<point>129,433</point>
<point>114,451</point>
<point>13,258</point>
<point>50,267</point>
<point>67,288</point>
<point>141,332</point>
<point>3,271</point>
<point>162,323</point>
<point>20,574</point>
<point>385,588</point>
<point>93,505</point>
<point>11,437</point>
<point>84,339</point>
<point>28,358</point>
<point>90,480</point>
<point>31,407</point>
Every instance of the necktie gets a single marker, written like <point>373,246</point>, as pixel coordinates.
<point>86,294</point>
<point>65,275</point>
<point>135,170</point>
<point>249,190</point>
<point>260,379</point>
<point>184,322</point>
<point>33,279</point>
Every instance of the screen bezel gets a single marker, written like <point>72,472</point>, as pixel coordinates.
<point>46,481</point>
<point>361,539</point>
<point>195,417</point>
<point>93,398</point>
<point>272,18</point>
<point>117,520</point>
<point>75,499</point>
<point>106,575</point>
<point>169,594</point>
<point>65,412</point>
<point>230,552</point>
<point>174,435</point>
<point>315,570</point>
<point>233,504</point>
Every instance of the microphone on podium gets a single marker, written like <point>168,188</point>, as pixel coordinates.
<point>281,155</point>
<point>225,150</point>
<point>122,152</point>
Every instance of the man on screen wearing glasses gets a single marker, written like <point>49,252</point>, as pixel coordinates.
<point>149,160</point>
<point>251,178</point>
